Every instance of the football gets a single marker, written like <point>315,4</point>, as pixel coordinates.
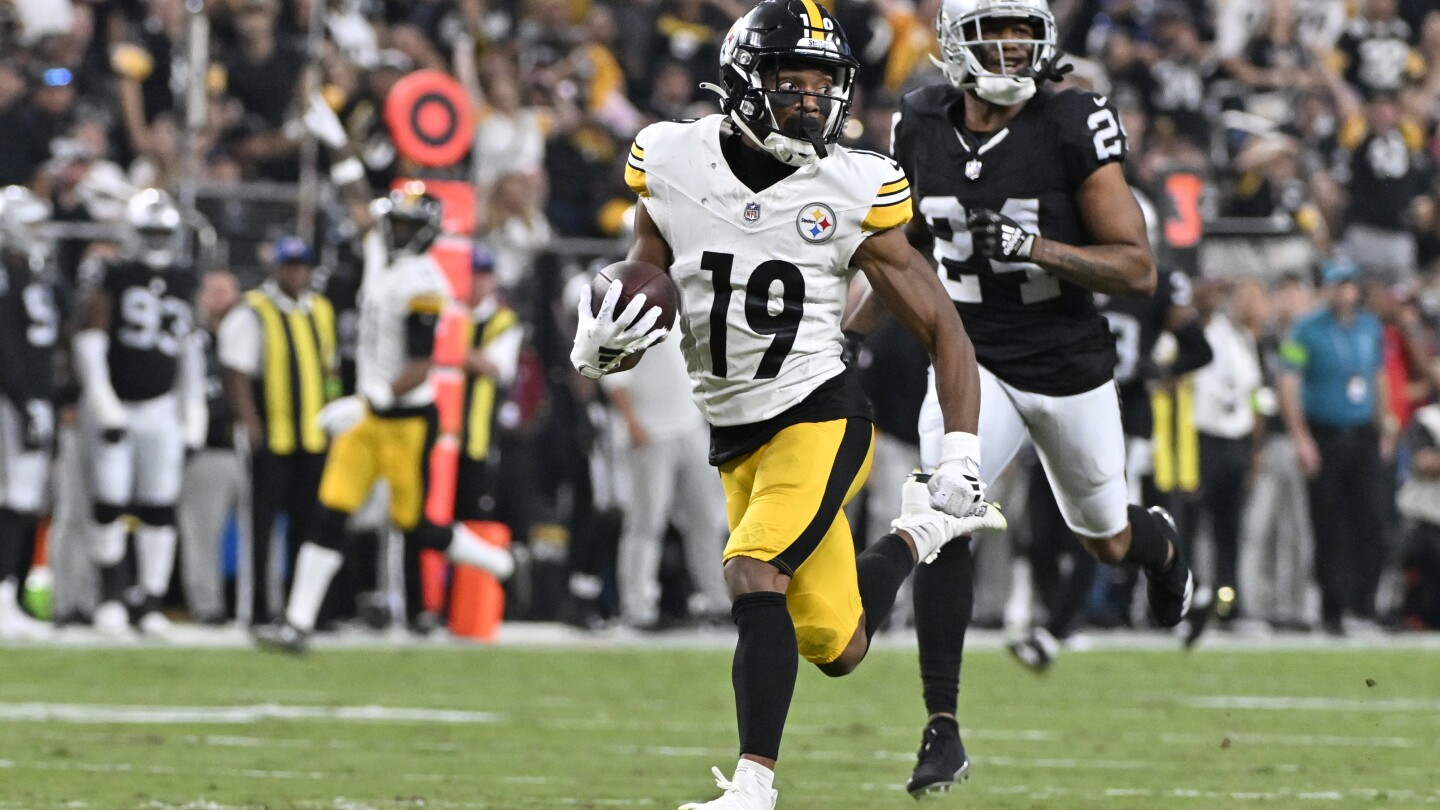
<point>637,278</point>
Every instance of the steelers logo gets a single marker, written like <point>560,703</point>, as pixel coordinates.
<point>816,223</point>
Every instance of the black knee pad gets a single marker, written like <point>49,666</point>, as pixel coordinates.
<point>107,513</point>
<point>155,515</point>
<point>330,531</point>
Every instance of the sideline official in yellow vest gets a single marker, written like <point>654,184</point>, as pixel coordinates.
<point>278,351</point>
<point>495,334</point>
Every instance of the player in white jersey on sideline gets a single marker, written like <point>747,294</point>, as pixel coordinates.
<point>388,427</point>
<point>761,219</point>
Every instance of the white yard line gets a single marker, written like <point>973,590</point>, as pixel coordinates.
<point>173,715</point>
<point>1290,703</point>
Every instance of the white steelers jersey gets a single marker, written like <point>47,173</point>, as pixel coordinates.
<point>388,295</point>
<point>762,276</point>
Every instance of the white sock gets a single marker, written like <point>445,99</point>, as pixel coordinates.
<point>111,543</point>
<point>763,775</point>
<point>155,557</point>
<point>468,549</point>
<point>9,598</point>
<point>315,566</point>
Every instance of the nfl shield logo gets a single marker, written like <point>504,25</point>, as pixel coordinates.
<point>752,212</point>
<point>972,169</point>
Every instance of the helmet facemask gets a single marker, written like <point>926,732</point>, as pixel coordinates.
<point>964,48</point>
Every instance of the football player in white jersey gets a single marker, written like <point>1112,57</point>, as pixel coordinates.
<point>761,218</point>
<point>388,427</point>
<point>142,370</point>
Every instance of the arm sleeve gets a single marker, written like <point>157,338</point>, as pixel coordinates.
<point>420,333</point>
<point>239,345</point>
<point>891,207</point>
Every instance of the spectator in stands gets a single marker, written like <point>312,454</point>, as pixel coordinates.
<point>263,74</point>
<point>214,478</point>
<point>27,128</point>
<point>1333,397</point>
<point>517,229</point>
<point>509,137</point>
<point>1375,50</point>
<point>1386,171</point>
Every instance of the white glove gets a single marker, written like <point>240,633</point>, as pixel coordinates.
<point>341,415</point>
<point>955,486</point>
<point>603,339</point>
<point>322,121</point>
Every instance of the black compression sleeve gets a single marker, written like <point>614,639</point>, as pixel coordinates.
<point>420,334</point>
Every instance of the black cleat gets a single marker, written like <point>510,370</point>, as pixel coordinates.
<point>1170,593</point>
<point>1037,651</point>
<point>1197,618</point>
<point>941,762</point>
<point>282,637</point>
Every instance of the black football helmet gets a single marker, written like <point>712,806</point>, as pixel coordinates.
<point>409,219</point>
<point>784,32</point>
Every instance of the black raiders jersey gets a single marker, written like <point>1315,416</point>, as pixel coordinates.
<point>1031,329</point>
<point>30,318</point>
<point>150,320</point>
<point>1136,324</point>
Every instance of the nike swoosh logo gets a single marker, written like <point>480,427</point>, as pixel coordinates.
<point>1099,101</point>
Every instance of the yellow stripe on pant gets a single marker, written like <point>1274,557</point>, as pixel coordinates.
<point>783,503</point>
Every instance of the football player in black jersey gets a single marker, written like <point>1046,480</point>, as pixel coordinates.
<point>1022,191</point>
<point>29,328</point>
<point>142,372</point>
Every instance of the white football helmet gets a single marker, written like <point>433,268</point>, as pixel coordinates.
<point>21,216</point>
<point>959,29</point>
<point>152,235</point>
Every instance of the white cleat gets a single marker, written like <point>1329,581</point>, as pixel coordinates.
<point>468,549</point>
<point>17,625</point>
<point>931,529</point>
<point>155,624</point>
<point>744,792</point>
<point>112,619</point>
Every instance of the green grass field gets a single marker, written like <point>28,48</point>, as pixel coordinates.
<point>595,728</point>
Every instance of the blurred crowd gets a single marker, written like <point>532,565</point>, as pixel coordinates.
<point>1272,139</point>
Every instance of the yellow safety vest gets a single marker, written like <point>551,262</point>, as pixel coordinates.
<point>1176,442</point>
<point>480,395</point>
<point>299,357</point>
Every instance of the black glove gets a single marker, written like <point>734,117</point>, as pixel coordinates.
<point>37,424</point>
<point>1051,70</point>
<point>999,236</point>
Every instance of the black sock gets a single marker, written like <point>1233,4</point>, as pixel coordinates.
<point>114,580</point>
<point>944,602</point>
<point>1149,548</point>
<point>10,533</point>
<point>767,660</point>
<point>881,569</point>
